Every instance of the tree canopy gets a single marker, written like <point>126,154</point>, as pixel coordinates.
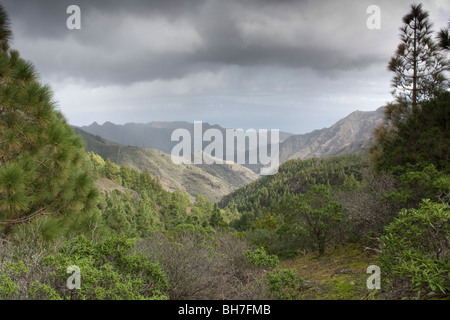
<point>418,63</point>
<point>41,159</point>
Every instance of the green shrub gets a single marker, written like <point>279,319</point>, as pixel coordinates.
<point>416,250</point>
<point>7,287</point>
<point>259,258</point>
<point>284,284</point>
<point>42,291</point>
<point>109,271</point>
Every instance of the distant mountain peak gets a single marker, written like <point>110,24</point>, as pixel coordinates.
<point>352,134</point>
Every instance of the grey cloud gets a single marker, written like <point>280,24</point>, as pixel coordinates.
<point>331,37</point>
<point>44,18</point>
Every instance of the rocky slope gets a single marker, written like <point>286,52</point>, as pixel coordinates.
<point>352,134</point>
<point>213,181</point>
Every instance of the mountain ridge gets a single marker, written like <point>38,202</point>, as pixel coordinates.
<point>352,134</point>
<point>212,182</point>
<point>137,134</point>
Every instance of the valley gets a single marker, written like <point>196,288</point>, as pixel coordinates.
<point>212,181</point>
<point>359,210</point>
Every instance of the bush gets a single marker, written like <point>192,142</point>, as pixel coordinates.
<point>109,271</point>
<point>259,258</point>
<point>284,284</point>
<point>203,263</point>
<point>8,288</point>
<point>40,291</point>
<point>369,210</point>
<point>416,249</point>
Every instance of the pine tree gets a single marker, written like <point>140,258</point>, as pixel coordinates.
<point>418,63</point>
<point>5,30</point>
<point>216,219</point>
<point>125,173</point>
<point>43,166</point>
<point>203,206</point>
<point>112,171</point>
<point>444,39</point>
<point>115,214</point>
<point>419,67</point>
<point>147,218</point>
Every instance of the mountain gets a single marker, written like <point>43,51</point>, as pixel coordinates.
<point>213,181</point>
<point>155,135</point>
<point>352,134</point>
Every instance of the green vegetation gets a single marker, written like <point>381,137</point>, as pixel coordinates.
<point>210,181</point>
<point>322,217</point>
<point>296,176</point>
<point>418,64</point>
<point>444,39</point>
<point>416,250</point>
<point>308,232</point>
<point>298,208</point>
<point>421,139</point>
<point>413,145</point>
<point>137,204</point>
<point>110,271</point>
<point>340,274</point>
<point>42,171</point>
<point>260,258</point>
<point>284,284</point>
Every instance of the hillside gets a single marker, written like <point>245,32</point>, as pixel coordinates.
<point>155,135</point>
<point>294,177</point>
<point>212,182</point>
<point>352,134</point>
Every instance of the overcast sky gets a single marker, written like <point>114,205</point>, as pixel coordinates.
<point>264,64</point>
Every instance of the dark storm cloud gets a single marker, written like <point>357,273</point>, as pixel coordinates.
<point>297,65</point>
<point>44,18</point>
<point>181,37</point>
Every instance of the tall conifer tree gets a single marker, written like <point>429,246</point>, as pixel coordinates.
<point>444,38</point>
<point>42,161</point>
<point>418,64</point>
